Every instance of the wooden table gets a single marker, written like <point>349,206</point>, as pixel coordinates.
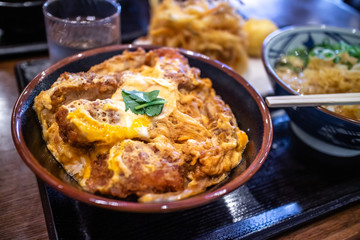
<point>22,216</point>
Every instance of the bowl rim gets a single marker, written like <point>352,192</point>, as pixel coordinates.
<point>118,204</point>
<point>284,30</point>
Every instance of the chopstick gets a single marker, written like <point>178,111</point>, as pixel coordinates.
<point>313,100</point>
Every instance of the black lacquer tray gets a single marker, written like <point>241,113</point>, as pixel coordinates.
<point>294,186</point>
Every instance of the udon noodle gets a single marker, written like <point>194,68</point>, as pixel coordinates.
<point>324,69</point>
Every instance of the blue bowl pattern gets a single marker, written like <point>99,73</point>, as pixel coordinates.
<point>316,122</point>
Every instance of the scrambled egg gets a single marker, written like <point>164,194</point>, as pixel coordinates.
<point>192,144</point>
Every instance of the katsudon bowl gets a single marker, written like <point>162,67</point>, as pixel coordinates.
<point>247,105</point>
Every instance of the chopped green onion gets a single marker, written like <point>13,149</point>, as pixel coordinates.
<point>337,59</point>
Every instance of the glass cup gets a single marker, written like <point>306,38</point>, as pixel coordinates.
<point>74,26</point>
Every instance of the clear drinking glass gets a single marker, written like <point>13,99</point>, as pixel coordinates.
<point>73,26</point>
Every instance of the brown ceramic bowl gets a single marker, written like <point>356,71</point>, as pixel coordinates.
<point>248,106</point>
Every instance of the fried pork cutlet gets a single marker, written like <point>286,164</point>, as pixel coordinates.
<point>192,144</point>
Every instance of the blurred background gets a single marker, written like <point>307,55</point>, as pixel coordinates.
<point>22,26</point>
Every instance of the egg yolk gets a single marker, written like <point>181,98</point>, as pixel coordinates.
<point>106,133</point>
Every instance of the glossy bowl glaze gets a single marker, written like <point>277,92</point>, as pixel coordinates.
<point>248,106</point>
<point>322,129</point>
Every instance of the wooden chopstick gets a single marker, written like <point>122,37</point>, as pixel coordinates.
<point>313,100</point>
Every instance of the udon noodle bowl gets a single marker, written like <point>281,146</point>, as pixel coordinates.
<point>324,68</point>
